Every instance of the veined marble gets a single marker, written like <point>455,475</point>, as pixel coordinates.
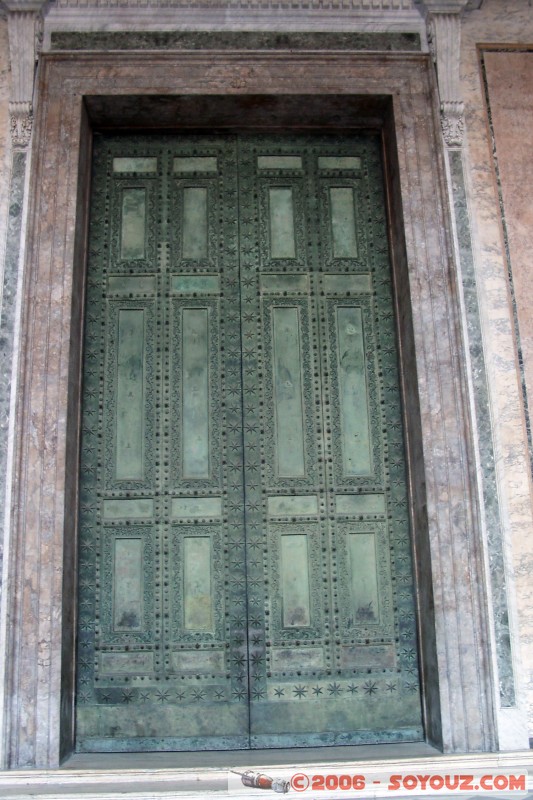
<point>4,135</point>
<point>502,22</point>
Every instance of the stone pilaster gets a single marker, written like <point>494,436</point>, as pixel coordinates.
<point>24,17</point>
<point>444,33</point>
<point>443,18</point>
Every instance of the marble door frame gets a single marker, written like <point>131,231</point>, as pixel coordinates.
<point>394,92</point>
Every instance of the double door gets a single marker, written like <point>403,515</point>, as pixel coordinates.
<point>245,563</point>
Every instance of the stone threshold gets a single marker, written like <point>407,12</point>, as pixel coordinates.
<point>150,776</point>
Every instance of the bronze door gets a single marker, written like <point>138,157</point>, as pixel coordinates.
<point>245,563</point>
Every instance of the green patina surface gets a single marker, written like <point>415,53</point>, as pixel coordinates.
<point>233,40</point>
<point>245,558</point>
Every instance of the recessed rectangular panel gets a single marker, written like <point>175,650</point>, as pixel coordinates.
<point>368,656</point>
<point>198,660</point>
<point>279,162</point>
<point>347,504</point>
<point>293,505</point>
<point>291,284</point>
<point>339,162</point>
<point>297,658</point>
<point>194,223</point>
<point>128,585</point>
<point>195,164</point>
<point>195,284</point>
<point>125,285</point>
<point>134,508</point>
<point>126,663</point>
<point>197,584</point>
<point>130,395</point>
<point>288,401</point>
<point>364,577</point>
<point>353,394</point>
<point>282,234</point>
<point>295,588</point>
<point>195,387</point>
<point>343,222</point>
<point>133,224</point>
<point>135,165</point>
<point>342,284</point>
<point>187,507</point>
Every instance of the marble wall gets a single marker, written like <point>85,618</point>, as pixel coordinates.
<point>4,199</point>
<point>4,136</point>
<point>5,341</point>
<point>496,87</point>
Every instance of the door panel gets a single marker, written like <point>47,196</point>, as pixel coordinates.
<point>245,572</point>
<point>162,633</point>
<point>331,622</point>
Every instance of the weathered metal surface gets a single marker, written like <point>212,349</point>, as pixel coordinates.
<point>195,381</point>
<point>293,505</point>
<point>197,584</point>
<point>295,588</point>
<point>282,244</point>
<point>339,162</point>
<point>278,283</point>
<point>344,284</point>
<point>195,164</point>
<point>130,395</point>
<point>131,285</point>
<point>135,165</point>
<point>245,572</point>
<point>128,582</point>
<point>343,227</point>
<point>162,638</point>
<point>136,508</point>
<point>183,507</point>
<point>353,392</point>
<point>132,240</point>
<point>332,638</point>
<point>364,593</point>
<point>287,386</point>
<point>279,162</point>
<point>350,504</point>
<point>199,284</point>
<point>194,223</point>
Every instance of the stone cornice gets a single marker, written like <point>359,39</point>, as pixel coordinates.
<point>444,6</point>
<point>34,6</point>
<point>235,15</point>
<point>274,6</point>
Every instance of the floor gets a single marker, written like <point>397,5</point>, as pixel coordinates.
<point>207,776</point>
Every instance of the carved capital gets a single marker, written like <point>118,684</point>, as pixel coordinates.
<point>453,123</point>
<point>21,123</point>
